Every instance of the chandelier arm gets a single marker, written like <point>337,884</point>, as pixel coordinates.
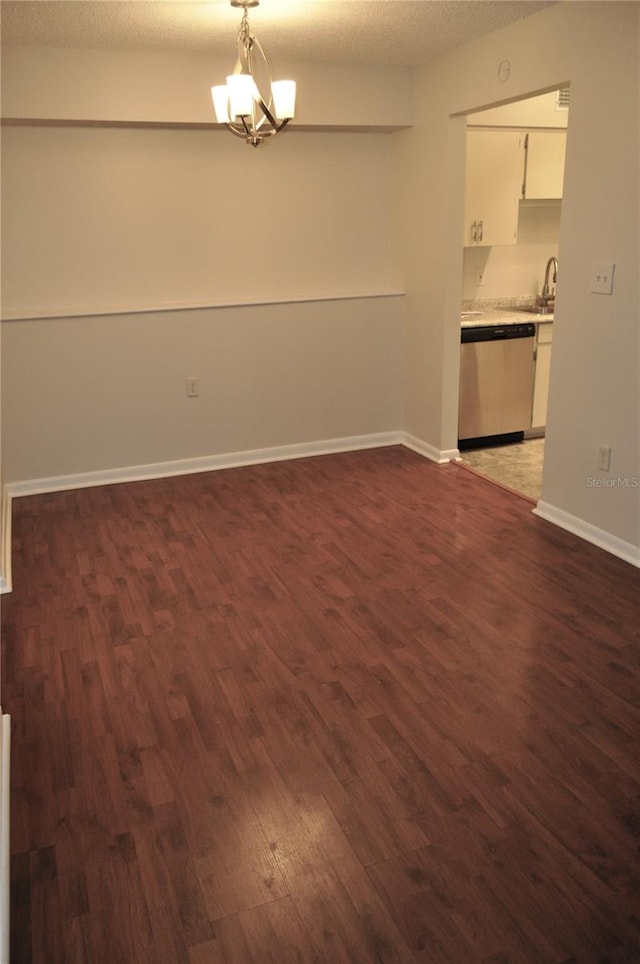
<point>275,124</point>
<point>236,130</point>
<point>265,60</point>
<point>267,113</point>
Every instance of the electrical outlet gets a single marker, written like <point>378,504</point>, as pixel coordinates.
<point>604,458</point>
<point>193,388</point>
<point>480,277</point>
<point>602,278</point>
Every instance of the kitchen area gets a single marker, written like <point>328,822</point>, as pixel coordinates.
<point>514,184</point>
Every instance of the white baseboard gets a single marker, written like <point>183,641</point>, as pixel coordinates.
<point>429,451</point>
<point>598,537</point>
<point>5,751</point>
<point>5,546</point>
<point>208,463</point>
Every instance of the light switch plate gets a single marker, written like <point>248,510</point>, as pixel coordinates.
<point>602,278</point>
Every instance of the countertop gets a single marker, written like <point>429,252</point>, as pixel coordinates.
<point>500,316</point>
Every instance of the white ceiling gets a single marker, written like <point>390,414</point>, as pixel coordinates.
<point>400,32</point>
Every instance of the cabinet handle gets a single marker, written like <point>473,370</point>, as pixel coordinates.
<point>479,230</point>
<point>474,232</point>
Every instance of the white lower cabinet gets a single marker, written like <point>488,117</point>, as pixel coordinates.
<point>541,381</point>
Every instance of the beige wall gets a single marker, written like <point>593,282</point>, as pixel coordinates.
<point>102,218</point>
<point>540,111</point>
<point>594,390</point>
<point>50,83</point>
<point>108,392</point>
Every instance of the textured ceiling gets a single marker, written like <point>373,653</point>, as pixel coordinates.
<point>401,32</point>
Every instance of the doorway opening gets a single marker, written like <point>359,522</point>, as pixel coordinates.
<point>511,268</point>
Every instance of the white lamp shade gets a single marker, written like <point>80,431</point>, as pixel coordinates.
<point>241,88</point>
<point>284,98</point>
<point>220,97</point>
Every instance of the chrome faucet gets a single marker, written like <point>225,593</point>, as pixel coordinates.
<point>546,292</point>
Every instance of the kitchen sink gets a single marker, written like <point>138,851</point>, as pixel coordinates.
<point>536,309</point>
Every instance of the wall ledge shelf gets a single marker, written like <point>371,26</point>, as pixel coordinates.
<point>90,311</point>
<point>193,125</point>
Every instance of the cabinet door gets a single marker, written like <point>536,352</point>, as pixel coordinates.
<point>541,381</point>
<point>544,171</point>
<point>493,185</point>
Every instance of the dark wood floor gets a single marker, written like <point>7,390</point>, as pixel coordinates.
<point>357,708</point>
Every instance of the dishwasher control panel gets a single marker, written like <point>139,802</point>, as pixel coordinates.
<point>495,332</point>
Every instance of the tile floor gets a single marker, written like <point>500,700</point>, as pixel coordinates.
<point>518,465</point>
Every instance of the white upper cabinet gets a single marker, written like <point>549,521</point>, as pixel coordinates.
<point>493,186</point>
<point>544,164</point>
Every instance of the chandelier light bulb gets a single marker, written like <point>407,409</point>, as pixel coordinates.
<point>284,98</point>
<point>240,88</point>
<point>220,97</point>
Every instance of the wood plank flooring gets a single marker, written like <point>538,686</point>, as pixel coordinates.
<point>351,709</point>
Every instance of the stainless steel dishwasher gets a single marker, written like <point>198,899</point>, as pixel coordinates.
<point>496,383</point>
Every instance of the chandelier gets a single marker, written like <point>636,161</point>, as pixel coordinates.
<point>239,103</point>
